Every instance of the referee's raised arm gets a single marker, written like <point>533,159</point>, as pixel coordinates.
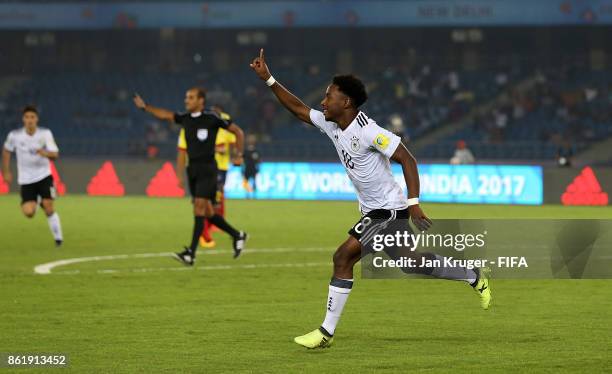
<point>289,100</point>
<point>159,113</point>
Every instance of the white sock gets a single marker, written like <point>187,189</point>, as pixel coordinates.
<point>454,273</point>
<point>55,226</point>
<point>339,290</point>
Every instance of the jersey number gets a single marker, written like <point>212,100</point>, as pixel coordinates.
<point>348,161</point>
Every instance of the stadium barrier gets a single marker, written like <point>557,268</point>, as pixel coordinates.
<point>482,184</point>
<point>487,184</point>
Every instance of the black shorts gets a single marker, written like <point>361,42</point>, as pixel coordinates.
<point>43,188</point>
<point>221,176</point>
<point>202,180</point>
<point>366,223</point>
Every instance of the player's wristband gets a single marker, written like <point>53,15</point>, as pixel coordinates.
<point>413,201</point>
<point>270,81</point>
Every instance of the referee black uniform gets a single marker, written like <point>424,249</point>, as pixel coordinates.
<point>200,133</point>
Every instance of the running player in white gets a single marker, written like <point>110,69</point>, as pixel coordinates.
<point>34,147</point>
<point>364,149</point>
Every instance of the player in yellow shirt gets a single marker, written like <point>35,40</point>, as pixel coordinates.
<point>224,146</point>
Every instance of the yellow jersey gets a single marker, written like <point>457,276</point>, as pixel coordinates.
<point>222,142</point>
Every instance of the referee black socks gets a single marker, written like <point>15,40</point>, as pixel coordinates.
<point>221,223</point>
<point>198,227</point>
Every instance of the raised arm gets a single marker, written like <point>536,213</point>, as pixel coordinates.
<point>411,176</point>
<point>289,100</point>
<point>159,113</point>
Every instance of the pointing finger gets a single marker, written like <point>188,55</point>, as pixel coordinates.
<point>261,54</point>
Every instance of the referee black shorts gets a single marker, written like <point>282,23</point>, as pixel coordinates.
<point>44,188</point>
<point>202,180</point>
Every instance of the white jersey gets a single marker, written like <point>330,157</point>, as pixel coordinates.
<point>364,149</point>
<point>31,167</point>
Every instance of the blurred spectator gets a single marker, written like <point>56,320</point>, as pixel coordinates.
<point>453,81</point>
<point>397,126</point>
<point>152,152</point>
<point>501,119</point>
<point>462,154</point>
<point>501,79</point>
<point>565,154</point>
<point>155,136</point>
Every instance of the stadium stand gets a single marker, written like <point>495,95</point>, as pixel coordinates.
<point>504,107</point>
<point>534,123</point>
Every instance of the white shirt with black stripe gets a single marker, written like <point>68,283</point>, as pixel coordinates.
<point>364,149</point>
<point>31,167</point>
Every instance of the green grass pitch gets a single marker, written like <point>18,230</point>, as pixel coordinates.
<point>150,314</point>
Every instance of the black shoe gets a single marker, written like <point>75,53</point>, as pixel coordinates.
<point>239,242</point>
<point>58,243</point>
<point>186,257</point>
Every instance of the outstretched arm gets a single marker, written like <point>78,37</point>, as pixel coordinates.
<point>411,175</point>
<point>289,100</point>
<point>159,113</point>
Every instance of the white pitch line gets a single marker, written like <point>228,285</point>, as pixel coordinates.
<point>47,267</point>
<point>212,267</point>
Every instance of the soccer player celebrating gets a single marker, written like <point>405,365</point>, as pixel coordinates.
<point>34,146</point>
<point>364,149</point>
<point>201,129</point>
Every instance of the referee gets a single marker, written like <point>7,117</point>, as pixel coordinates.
<point>201,129</point>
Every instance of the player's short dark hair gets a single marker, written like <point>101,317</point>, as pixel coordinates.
<point>200,92</point>
<point>352,87</point>
<point>29,108</point>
